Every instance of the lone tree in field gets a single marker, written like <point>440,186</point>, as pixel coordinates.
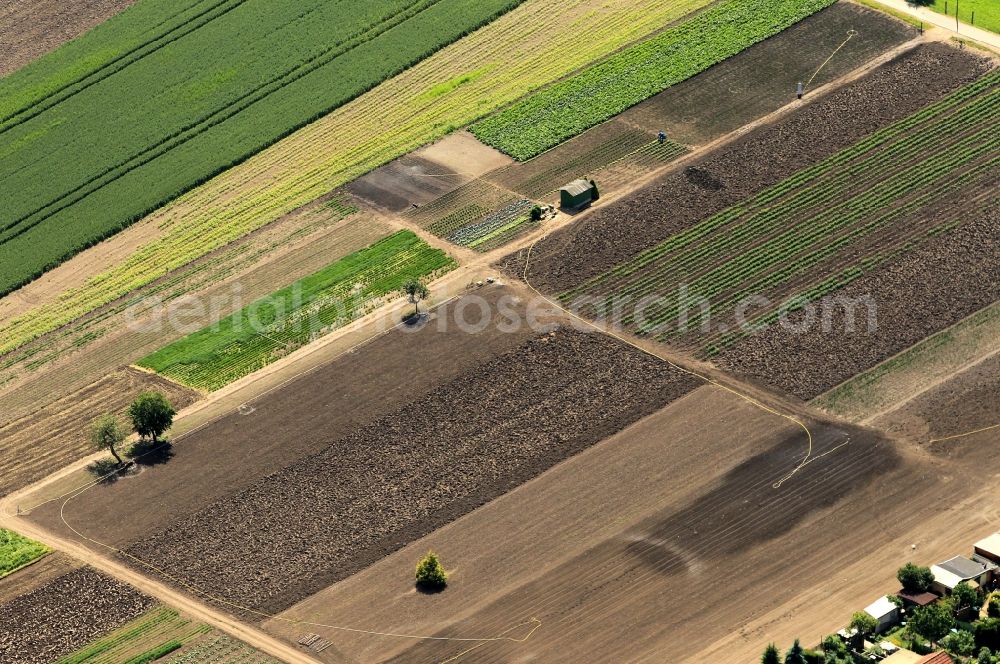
<point>915,579</point>
<point>771,655</point>
<point>106,433</point>
<point>415,291</point>
<point>151,415</point>
<point>430,573</point>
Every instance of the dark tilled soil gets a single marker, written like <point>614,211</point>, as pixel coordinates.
<point>762,78</point>
<point>615,233</point>
<point>31,29</point>
<point>63,616</point>
<point>407,473</point>
<point>923,292</point>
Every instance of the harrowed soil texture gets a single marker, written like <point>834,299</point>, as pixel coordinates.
<point>65,615</point>
<point>413,470</point>
<point>926,290</point>
<point>616,232</point>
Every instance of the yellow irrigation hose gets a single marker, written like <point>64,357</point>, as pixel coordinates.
<point>851,34</point>
<point>806,460</point>
<point>963,435</point>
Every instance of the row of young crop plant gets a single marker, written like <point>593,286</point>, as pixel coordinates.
<point>795,226</point>
<point>350,235</point>
<point>816,236</point>
<point>714,343</point>
<point>157,634</point>
<point>564,110</point>
<point>17,551</point>
<point>532,45</point>
<point>270,328</point>
<point>542,175</point>
<point>273,67</point>
<point>838,169</point>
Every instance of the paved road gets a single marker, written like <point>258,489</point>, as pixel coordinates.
<point>945,22</point>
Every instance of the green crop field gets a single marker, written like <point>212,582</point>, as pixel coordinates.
<point>162,98</point>
<point>564,110</point>
<point>270,328</point>
<point>801,237</point>
<point>159,633</point>
<point>17,551</point>
<point>981,13</point>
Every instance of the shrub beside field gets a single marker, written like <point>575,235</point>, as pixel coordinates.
<point>135,116</point>
<point>272,327</point>
<point>564,110</point>
<point>17,551</point>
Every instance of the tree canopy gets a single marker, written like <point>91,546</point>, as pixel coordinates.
<point>430,573</point>
<point>914,578</point>
<point>151,415</point>
<point>932,622</point>
<point>106,433</point>
<point>771,655</point>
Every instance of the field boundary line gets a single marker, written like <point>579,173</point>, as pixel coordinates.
<point>807,459</point>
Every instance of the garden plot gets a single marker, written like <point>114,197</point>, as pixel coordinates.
<point>164,635</point>
<point>762,78</point>
<point>66,613</point>
<point>572,106</point>
<point>677,201</point>
<point>414,469</point>
<point>922,292</point>
<point>276,325</point>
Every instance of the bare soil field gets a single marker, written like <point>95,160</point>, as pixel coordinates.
<point>733,173</point>
<point>413,470</point>
<point>65,614</point>
<point>31,29</point>
<point>427,174</point>
<point>601,548</point>
<point>296,420</point>
<point>968,402</point>
<point>57,434</point>
<point>762,78</point>
<point>923,292</point>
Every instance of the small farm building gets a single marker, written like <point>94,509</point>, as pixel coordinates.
<point>950,573</point>
<point>940,657</point>
<point>885,612</point>
<point>989,548</point>
<point>576,194</point>
<point>917,599</point>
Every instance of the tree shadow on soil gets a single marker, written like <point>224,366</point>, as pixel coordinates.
<point>425,589</point>
<point>145,453</point>
<point>107,471</point>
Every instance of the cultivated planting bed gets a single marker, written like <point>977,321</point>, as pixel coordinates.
<point>289,318</point>
<point>619,232</point>
<point>50,622</point>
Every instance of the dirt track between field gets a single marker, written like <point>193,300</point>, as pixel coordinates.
<point>28,30</point>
